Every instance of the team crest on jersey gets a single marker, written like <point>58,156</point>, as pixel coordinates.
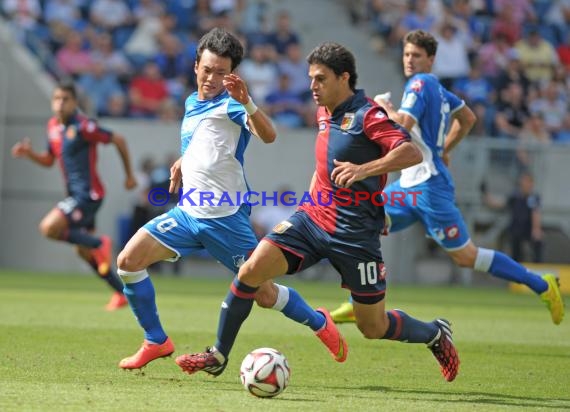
<point>417,85</point>
<point>71,132</point>
<point>282,227</point>
<point>76,215</point>
<point>347,121</point>
<point>238,260</point>
<point>452,232</point>
<point>322,126</point>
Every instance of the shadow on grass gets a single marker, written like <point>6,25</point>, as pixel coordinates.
<point>483,398</point>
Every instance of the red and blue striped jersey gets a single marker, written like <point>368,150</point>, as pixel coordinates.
<point>358,131</point>
<point>74,145</point>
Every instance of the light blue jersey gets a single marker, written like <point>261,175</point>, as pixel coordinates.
<point>214,135</point>
<point>432,107</point>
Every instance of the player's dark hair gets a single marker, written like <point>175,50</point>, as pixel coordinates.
<point>422,39</point>
<point>221,43</point>
<point>337,58</point>
<point>68,86</point>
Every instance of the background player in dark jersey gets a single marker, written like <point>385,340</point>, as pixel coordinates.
<point>357,145</point>
<point>72,141</point>
<point>438,120</point>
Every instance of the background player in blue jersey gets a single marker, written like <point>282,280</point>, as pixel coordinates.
<point>438,120</point>
<point>72,141</point>
<point>356,146</point>
<point>219,120</point>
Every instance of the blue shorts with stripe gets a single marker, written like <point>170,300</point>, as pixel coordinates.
<point>229,239</point>
<point>433,204</point>
<point>359,263</point>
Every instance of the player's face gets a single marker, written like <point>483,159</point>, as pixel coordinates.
<point>63,104</point>
<point>210,74</point>
<point>328,89</point>
<point>416,60</point>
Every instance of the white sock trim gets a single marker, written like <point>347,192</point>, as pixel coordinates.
<point>132,277</point>
<point>484,259</point>
<point>282,297</point>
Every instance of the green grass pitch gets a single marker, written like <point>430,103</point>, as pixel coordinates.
<point>59,352</point>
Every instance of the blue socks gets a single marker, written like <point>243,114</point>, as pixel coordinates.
<point>235,310</point>
<point>506,268</point>
<point>139,291</point>
<point>404,328</point>
<point>292,305</point>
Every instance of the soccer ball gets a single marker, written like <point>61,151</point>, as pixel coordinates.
<point>265,372</point>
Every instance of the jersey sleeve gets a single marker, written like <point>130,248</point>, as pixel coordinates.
<point>413,100</point>
<point>455,103</point>
<point>236,113</point>
<point>92,132</point>
<point>383,131</point>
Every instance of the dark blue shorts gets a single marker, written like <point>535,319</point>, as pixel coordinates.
<point>359,262</point>
<point>80,213</point>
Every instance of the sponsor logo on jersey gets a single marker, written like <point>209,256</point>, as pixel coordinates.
<point>417,85</point>
<point>439,234</point>
<point>91,126</point>
<point>347,121</point>
<point>452,232</point>
<point>409,101</point>
<point>282,227</point>
<point>71,132</point>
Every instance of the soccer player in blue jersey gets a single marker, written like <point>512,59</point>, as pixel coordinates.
<point>357,145</point>
<point>72,141</point>
<point>438,120</point>
<point>219,120</point>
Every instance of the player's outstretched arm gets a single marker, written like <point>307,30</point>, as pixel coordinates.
<point>24,149</point>
<point>121,145</point>
<point>260,124</point>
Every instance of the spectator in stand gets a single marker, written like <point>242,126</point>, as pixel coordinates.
<point>563,51</point>
<point>557,16</point>
<point>259,71</point>
<point>285,107</point>
<point>113,60</point>
<point>264,218</point>
<point>110,14</point>
<point>512,112</point>
<point>147,92</point>
<point>563,136</point>
<point>117,106</point>
<point>478,94</point>
<point>294,65</point>
<point>552,103</point>
<point>419,17</point>
<point>72,58</point>
<point>144,42</point>
<point>283,35</point>
<point>98,85</point>
<point>512,72</point>
<point>452,60</point>
<point>384,16</point>
<point>23,15</point>
<point>62,16</point>
<point>493,55</point>
<point>538,57</point>
<point>173,65</point>
<point>463,10</point>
